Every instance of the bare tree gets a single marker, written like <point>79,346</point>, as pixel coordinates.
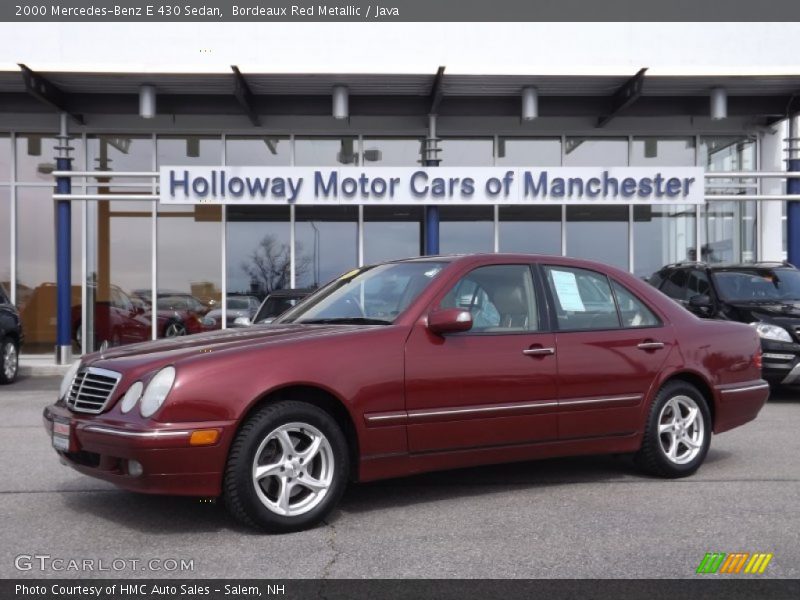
<point>270,264</point>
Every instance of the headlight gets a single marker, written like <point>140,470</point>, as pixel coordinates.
<point>67,381</point>
<point>131,397</point>
<point>157,391</point>
<point>771,332</point>
<point>241,322</point>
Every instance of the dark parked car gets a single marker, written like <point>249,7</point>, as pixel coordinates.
<point>10,338</point>
<point>410,366</point>
<point>278,302</point>
<point>764,295</point>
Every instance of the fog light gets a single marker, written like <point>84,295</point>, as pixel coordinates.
<point>204,437</point>
<point>135,468</point>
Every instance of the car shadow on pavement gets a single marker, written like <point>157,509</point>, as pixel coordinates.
<point>177,514</point>
<point>785,395</point>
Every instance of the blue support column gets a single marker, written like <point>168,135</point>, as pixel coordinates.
<point>431,230</point>
<point>64,266</point>
<point>793,214</point>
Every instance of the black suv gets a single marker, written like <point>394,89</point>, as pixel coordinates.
<point>763,295</point>
<point>10,338</point>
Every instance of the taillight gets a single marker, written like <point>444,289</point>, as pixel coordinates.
<point>757,359</point>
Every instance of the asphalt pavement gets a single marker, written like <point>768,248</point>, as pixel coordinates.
<point>566,518</point>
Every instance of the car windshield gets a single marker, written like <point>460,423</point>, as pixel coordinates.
<point>372,295</point>
<point>779,285</point>
<point>238,303</point>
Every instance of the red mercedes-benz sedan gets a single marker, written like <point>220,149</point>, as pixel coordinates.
<point>410,366</point>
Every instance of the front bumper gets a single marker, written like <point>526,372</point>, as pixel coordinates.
<point>781,362</point>
<point>105,448</point>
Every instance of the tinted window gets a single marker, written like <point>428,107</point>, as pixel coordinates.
<point>759,285</point>
<point>500,298</point>
<point>674,285</point>
<point>583,299</point>
<point>698,283</point>
<point>632,310</point>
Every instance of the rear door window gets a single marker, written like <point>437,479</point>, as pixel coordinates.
<point>583,299</point>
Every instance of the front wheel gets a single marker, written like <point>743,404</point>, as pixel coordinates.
<point>678,432</point>
<point>9,361</point>
<point>287,468</point>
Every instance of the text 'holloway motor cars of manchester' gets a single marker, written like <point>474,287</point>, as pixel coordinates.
<point>411,366</point>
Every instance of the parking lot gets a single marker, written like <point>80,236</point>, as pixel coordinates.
<point>579,517</point>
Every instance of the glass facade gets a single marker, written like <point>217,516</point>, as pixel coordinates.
<point>192,255</point>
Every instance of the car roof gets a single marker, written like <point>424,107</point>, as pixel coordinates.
<point>749,266</point>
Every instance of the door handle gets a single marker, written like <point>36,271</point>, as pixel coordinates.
<point>539,351</point>
<point>650,345</point>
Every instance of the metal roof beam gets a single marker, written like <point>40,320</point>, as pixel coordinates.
<point>46,92</point>
<point>437,91</point>
<point>244,96</point>
<point>627,94</point>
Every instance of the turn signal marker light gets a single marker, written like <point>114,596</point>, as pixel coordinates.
<point>204,437</point>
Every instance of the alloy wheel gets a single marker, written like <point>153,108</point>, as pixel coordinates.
<point>681,429</point>
<point>10,361</point>
<point>175,330</point>
<point>293,469</point>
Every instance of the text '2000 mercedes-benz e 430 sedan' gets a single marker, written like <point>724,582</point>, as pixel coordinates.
<point>410,366</point>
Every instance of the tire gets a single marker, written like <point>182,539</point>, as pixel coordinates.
<point>174,329</point>
<point>9,361</point>
<point>293,443</point>
<point>676,448</point>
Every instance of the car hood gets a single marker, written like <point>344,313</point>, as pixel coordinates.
<point>171,350</point>
<point>779,310</point>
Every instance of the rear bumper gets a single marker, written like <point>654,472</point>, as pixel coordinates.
<point>169,464</point>
<point>739,403</point>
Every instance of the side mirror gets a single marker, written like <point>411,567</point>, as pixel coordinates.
<point>701,304</point>
<point>449,320</point>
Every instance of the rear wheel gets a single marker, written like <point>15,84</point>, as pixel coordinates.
<point>9,360</point>
<point>678,432</point>
<point>287,468</point>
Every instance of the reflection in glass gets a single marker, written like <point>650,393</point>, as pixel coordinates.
<point>121,153</point>
<point>466,229</point>
<point>391,232</point>
<point>5,158</point>
<point>325,243</point>
<point>36,156</point>
<point>598,233</point>
<point>730,227</point>
<point>392,152</point>
<point>595,152</point>
<point>326,152</point>
<point>267,151</point>
<point>189,283</point>
<point>466,152</point>
<point>530,229</point>
<point>667,151</point>
<point>529,152</point>
<point>258,253</point>
<point>194,150</point>
<point>5,238</point>
<point>662,235</point>
<point>119,244</point>
<point>36,269</point>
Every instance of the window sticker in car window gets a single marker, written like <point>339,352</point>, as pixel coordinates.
<point>569,297</point>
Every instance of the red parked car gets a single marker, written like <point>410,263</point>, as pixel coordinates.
<point>410,366</point>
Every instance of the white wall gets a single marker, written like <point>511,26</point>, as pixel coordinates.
<point>479,48</point>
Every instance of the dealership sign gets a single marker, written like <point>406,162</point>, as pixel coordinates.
<point>445,185</point>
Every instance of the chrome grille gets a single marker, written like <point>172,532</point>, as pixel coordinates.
<point>91,390</point>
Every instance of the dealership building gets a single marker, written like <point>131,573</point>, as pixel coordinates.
<point>105,236</point>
